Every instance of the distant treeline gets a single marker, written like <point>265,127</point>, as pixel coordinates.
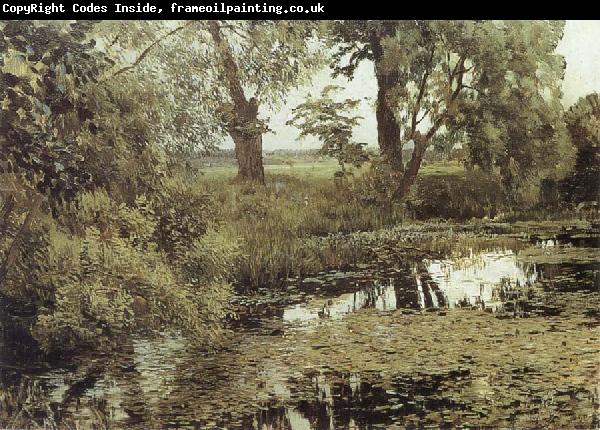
<point>226,157</point>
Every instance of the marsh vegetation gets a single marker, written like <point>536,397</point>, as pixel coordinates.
<point>446,277</point>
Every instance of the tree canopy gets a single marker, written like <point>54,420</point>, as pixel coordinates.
<point>498,80</point>
<point>223,75</point>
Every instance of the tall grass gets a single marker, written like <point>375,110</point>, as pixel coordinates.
<point>277,225</point>
<point>297,224</point>
<point>301,222</point>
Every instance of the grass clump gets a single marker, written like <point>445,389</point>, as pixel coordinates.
<point>276,225</point>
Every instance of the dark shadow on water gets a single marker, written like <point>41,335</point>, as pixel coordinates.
<point>347,402</point>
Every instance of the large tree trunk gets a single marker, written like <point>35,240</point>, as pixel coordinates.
<point>243,126</point>
<point>388,128</point>
<point>248,151</point>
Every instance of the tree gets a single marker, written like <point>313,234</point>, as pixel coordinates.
<point>329,120</point>
<point>516,124</point>
<point>446,75</point>
<point>230,70</point>
<point>44,108</point>
<point>443,143</point>
<point>356,41</point>
<point>583,123</point>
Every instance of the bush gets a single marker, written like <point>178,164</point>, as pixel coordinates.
<point>456,196</point>
<point>182,213</point>
<point>103,288</point>
<point>102,269</point>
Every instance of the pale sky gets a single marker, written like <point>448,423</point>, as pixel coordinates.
<point>580,47</point>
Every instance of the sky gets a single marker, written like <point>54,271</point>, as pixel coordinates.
<point>580,46</point>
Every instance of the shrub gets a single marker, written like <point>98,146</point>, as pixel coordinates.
<point>471,195</point>
<point>182,214</point>
<point>102,269</point>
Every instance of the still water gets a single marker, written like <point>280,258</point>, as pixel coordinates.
<point>481,280</point>
<point>257,382</point>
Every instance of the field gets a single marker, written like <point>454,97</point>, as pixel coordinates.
<point>323,169</point>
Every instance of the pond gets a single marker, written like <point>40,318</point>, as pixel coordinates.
<point>490,335</point>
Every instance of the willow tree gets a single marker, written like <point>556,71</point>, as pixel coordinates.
<point>356,41</point>
<point>583,123</point>
<point>226,74</point>
<point>497,80</point>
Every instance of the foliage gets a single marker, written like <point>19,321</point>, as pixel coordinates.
<point>126,154</point>
<point>498,81</point>
<point>354,41</point>
<point>330,122</point>
<point>44,73</point>
<point>459,197</point>
<point>124,247</point>
<point>444,142</point>
<point>112,277</point>
<point>270,58</point>
<point>518,127</point>
<point>182,213</point>
<point>583,123</point>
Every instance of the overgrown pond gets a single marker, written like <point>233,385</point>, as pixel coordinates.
<point>497,331</point>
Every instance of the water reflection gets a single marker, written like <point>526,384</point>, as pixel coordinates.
<point>381,297</point>
<point>346,401</point>
<point>480,279</point>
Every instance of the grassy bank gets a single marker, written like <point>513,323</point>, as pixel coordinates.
<point>167,256</point>
<point>304,221</point>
